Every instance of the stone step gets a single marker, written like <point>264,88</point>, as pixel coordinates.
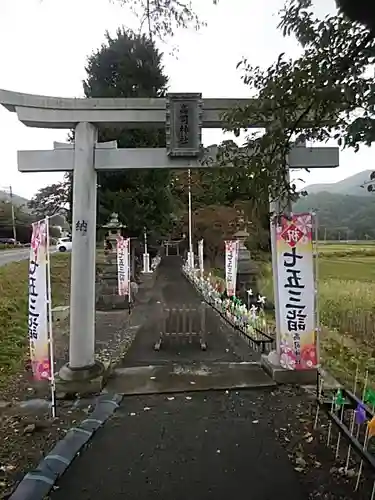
<point>159,379</point>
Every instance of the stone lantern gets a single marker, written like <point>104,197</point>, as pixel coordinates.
<point>107,297</point>
<point>247,270</point>
<point>113,228</point>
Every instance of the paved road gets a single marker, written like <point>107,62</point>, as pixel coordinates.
<point>7,256</point>
<point>209,445</point>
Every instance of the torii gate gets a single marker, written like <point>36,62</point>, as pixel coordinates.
<point>183,115</point>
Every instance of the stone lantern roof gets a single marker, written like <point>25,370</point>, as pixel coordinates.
<point>113,223</point>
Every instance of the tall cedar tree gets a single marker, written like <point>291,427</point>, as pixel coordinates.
<point>131,66</point>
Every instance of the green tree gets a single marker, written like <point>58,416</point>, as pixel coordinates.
<point>362,11</point>
<point>326,92</point>
<point>23,222</point>
<point>51,200</point>
<point>130,66</point>
<point>228,187</point>
<point>161,18</point>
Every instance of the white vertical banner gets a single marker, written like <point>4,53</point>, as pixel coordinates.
<point>231,259</point>
<point>200,257</point>
<point>123,265</point>
<point>38,300</point>
<point>298,349</point>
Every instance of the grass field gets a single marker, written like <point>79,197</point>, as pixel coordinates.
<point>347,308</point>
<point>14,306</point>
<point>346,292</point>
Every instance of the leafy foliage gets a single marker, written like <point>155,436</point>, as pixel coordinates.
<point>338,214</point>
<point>214,223</point>
<point>51,200</point>
<point>223,196</point>
<point>361,11</point>
<point>130,66</point>
<point>326,92</point>
<point>22,222</point>
<point>161,18</point>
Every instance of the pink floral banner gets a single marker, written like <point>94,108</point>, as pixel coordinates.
<point>38,319</point>
<point>296,289</point>
<point>231,259</point>
<point>123,249</point>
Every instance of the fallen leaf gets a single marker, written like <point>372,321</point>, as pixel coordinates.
<point>7,468</point>
<point>29,429</point>
<point>300,461</point>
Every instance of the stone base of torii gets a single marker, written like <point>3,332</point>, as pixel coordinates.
<point>85,157</point>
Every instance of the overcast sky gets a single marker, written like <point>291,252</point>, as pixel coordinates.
<point>44,46</point>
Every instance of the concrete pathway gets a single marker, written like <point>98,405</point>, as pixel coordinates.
<point>184,445</point>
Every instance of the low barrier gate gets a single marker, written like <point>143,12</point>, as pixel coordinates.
<point>184,323</point>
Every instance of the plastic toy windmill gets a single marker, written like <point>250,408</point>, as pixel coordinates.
<point>253,311</point>
<point>261,300</point>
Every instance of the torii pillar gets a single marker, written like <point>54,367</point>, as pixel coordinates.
<point>82,295</point>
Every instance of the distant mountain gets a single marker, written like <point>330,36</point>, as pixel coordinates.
<point>341,215</point>
<point>351,185</point>
<point>17,200</point>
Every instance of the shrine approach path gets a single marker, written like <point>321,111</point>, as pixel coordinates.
<point>184,445</point>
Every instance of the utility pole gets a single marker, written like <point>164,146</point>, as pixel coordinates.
<point>191,252</point>
<point>13,215</point>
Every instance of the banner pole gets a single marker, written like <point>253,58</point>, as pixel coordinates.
<point>316,280</point>
<point>50,324</point>
<point>129,274</point>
